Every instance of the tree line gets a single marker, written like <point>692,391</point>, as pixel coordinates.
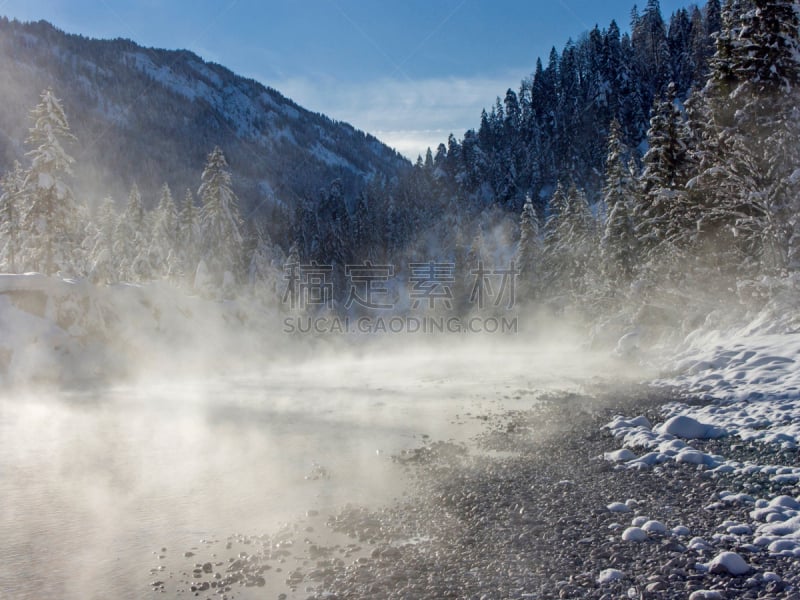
<point>603,205</point>
<point>45,228</point>
<point>714,200</point>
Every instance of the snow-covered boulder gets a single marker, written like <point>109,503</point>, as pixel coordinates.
<point>634,534</point>
<point>729,563</point>
<point>688,428</point>
<point>610,576</point>
<point>681,531</point>
<point>621,455</point>
<point>654,527</point>
<point>706,595</point>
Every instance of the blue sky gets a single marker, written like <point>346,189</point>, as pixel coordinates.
<point>408,71</point>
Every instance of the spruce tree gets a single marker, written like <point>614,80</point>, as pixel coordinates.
<point>529,249</point>
<point>51,212</point>
<point>103,268</point>
<point>220,221</point>
<point>130,238</point>
<point>189,234</point>
<point>618,244</point>
<point>661,212</point>
<point>11,204</point>
<point>164,242</point>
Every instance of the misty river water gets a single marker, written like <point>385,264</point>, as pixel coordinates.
<point>93,482</point>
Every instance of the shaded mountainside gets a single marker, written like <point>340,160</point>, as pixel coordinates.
<point>150,116</point>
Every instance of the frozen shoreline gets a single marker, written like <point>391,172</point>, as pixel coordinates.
<point>534,508</point>
<point>557,520</point>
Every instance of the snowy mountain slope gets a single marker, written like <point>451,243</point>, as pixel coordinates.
<point>150,116</point>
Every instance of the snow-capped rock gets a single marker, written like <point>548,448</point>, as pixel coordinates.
<point>729,563</point>
<point>634,534</point>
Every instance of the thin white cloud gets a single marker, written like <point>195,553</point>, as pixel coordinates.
<point>408,115</point>
<point>413,143</point>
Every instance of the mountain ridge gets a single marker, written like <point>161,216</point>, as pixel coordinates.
<point>149,116</point>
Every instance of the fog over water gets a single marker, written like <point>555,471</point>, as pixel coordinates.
<point>94,481</point>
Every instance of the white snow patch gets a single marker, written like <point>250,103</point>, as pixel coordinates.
<point>622,455</point>
<point>609,576</point>
<point>706,595</point>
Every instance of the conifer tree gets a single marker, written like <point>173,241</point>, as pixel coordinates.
<point>11,204</point>
<point>103,268</point>
<point>618,244</point>
<point>189,233</point>
<point>529,249</point>
<point>661,213</point>
<point>164,242</point>
<point>220,221</point>
<point>130,238</point>
<point>51,212</point>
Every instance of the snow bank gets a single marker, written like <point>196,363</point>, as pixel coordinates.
<point>752,385</point>
<point>745,385</point>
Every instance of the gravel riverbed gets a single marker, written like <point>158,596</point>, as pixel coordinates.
<point>525,510</point>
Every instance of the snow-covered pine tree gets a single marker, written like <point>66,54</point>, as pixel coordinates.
<point>51,212</point>
<point>102,265</point>
<point>618,245</point>
<point>679,40</point>
<point>661,213</point>
<point>569,242</point>
<point>554,262</point>
<point>265,268</point>
<point>333,225</point>
<point>220,221</point>
<point>556,213</point>
<point>578,236</point>
<point>129,238</point>
<point>164,246</point>
<point>529,250</point>
<point>189,235</point>
<point>362,229</point>
<point>11,204</point>
<point>767,63</point>
<point>651,49</point>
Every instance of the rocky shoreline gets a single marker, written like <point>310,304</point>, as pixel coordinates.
<point>529,510</point>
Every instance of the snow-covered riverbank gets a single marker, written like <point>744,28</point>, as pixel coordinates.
<point>686,486</point>
<point>735,420</point>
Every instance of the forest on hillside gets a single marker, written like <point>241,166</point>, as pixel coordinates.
<point>650,171</point>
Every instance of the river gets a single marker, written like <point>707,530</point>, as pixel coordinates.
<point>95,481</point>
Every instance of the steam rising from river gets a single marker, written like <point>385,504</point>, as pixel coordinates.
<point>93,481</point>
